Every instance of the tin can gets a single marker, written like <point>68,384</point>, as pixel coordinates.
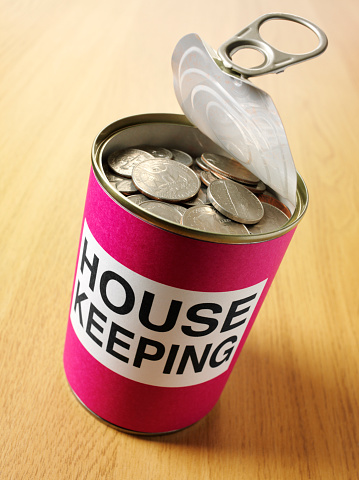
<point>160,311</point>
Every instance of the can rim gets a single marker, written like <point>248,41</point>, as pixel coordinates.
<point>114,128</point>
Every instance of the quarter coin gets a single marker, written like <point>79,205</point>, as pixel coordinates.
<point>207,177</point>
<point>165,179</point>
<point>200,163</point>
<point>235,202</point>
<point>163,210</point>
<point>123,161</point>
<point>206,218</point>
<point>272,220</point>
<point>229,167</point>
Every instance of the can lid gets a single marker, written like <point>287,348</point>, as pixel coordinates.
<point>238,116</point>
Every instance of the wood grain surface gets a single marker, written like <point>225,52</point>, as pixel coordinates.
<point>290,408</point>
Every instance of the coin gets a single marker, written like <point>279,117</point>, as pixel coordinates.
<point>196,170</point>
<point>110,174</point>
<point>138,198</point>
<point>125,186</point>
<point>235,202</point>
<point>165,179</point>
<point>258,188</point>
<point>163,210</point>
<point>182,157</point>
<point>200,163</point>
<point>123,161</point>
<point>272,219</point>
<point>206,218</point>
<point>199,199</point>
<point>180,208</point>
<point>229,167</point>
<point>207,177</point>
<point>157,152</point>
<point>266,198</point>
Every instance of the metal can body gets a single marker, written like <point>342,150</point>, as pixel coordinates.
<point>160,312</point>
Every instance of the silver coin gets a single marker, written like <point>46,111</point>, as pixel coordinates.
<point>207,177</point>
<point>125,186</point>
<point>138,198</point>
<point>196,169</point>
<point>163,210</point>
<point>123,161</point>
<point>200,163</point>
<point>182,157</point>
<point>270,198</point>
<point>157,152</point>
<point>165,179</point>
<point>272,220</point>
<point>235,202</point>
<point>110,174</point>
<point>229,167</point>
<point>206,218</point>
<point>180,208</point>
<point>199,199</point>
<point>258,188</point>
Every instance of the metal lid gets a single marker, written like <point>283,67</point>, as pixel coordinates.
<point>217,97</point>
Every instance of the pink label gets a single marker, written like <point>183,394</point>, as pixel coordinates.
<point>154,333</point>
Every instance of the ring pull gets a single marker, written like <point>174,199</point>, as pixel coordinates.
<point>275,61</point>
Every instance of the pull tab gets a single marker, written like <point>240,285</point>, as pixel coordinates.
<point>275,61</point>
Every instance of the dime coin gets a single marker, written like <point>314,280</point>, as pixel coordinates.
<point>138,198</point>
<point>182,157</point>
<point>157,152</point>
<point>125,186</point>
<point>206,218</point>
<point>235,202</point>
<point>123,161</point>
<point>200,163</point>
<point>163,210</point>
<point>229,167</point>
<point>165,179</point>
<point>258,188</point>
<point>272,220</point>
<point>207,177</point>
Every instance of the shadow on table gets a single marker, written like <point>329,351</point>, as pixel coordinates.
<point>275,406</point>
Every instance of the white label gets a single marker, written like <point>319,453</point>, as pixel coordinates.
<point>150,332</point>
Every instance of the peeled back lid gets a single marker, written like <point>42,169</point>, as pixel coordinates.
<point>235,114</point>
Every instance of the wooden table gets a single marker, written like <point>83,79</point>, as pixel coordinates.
<point>290,409</point>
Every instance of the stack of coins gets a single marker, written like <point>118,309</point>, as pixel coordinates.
<point>214,193</point>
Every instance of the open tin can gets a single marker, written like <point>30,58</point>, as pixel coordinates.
<point>161,311</point>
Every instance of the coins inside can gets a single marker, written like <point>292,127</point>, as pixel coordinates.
<point>199,196</point>
<point>165,179</point>
<point>235,201</point>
